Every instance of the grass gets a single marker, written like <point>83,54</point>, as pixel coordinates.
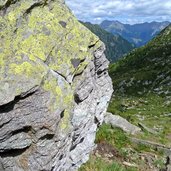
<point>98,164</point>
<point>115,137</point>
<point>137,78</point>
<point>149,110</point>
<point>159,163</point>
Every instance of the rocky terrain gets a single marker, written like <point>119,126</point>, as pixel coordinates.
<point>116,46</point>
<point>54,87</point>
<point>139,34</point>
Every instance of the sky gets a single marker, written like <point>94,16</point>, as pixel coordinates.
<point>126,11</point>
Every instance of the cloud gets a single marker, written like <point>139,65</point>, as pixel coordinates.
<point>127,11</point>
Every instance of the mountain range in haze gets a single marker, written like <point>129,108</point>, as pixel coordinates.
<point>139,34</point>
<point>121,38</point>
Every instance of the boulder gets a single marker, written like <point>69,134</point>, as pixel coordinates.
<point>54,87</point>
<point>119,122</point>
<point>145,128</point>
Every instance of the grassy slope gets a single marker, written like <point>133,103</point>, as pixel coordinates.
<point>148,107</point>
<point>150,63</point>
<point>116,46</point>
<point>136,78</point>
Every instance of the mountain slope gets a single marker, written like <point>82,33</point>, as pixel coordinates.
<point>147,68</point>
<point>139,34</point>
<point>142,83</point>
<point>116,46</point>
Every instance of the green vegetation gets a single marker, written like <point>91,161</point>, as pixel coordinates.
<point>146,69</point>
<point>142,83</point>
<point>115,137</point>
<point>143,94</point>
<point>150,109</point>
<point>116,46</point>
<point>98,164</point>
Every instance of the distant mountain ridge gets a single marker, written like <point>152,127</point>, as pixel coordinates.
<point>116,46</point>
<point>139,34</point>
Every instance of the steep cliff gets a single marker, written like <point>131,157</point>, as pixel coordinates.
<point>54,87</point>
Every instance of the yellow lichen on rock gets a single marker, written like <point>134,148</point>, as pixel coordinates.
<point>52,96</point>
<point>37,39</point>
<point>65,120</point>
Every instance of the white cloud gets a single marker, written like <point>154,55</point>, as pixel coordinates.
<point>128,11</point>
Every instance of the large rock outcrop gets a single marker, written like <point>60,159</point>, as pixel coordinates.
<point>54,87</point>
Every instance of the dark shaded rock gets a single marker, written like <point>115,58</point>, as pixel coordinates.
<point>63,24</point>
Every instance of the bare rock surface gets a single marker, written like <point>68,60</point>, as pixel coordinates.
<point>119,122</point>
<point>145,128</point>
<point>54,87</point>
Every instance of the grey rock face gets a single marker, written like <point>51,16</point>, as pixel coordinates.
<point>30,137</point>
<point>53,92</point>
<point>119,122</point>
